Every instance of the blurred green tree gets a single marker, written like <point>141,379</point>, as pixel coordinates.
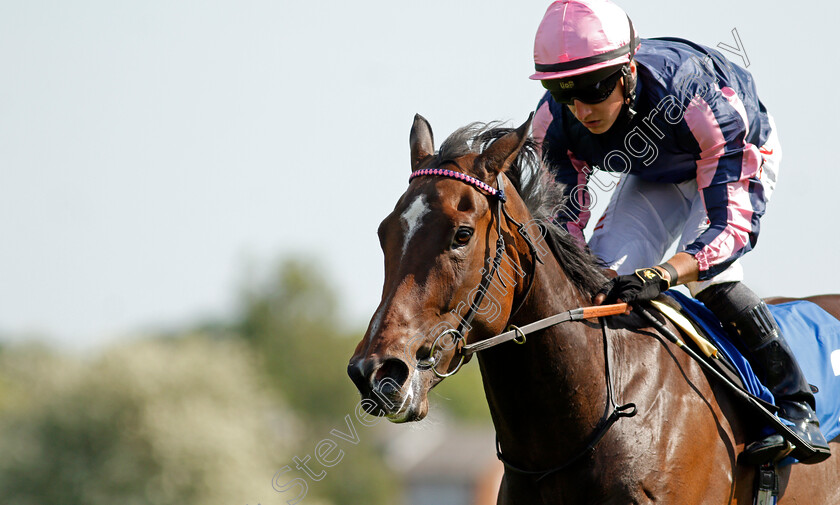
<point>151,423</point>
<point>291,319</point>
<point>202,418</point>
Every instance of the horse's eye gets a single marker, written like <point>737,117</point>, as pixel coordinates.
<point>462,236</point>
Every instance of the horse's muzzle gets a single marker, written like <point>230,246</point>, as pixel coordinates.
<point>379,380</point>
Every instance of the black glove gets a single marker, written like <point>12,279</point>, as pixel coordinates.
<point>645,284</point>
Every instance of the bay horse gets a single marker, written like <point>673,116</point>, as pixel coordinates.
<point>449,233</point>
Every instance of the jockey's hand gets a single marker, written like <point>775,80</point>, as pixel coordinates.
<point>645,284</point>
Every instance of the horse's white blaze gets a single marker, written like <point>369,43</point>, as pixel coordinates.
<point>412,218</point>
<point>835,362</point>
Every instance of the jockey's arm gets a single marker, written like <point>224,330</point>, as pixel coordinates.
<point>686,266</point>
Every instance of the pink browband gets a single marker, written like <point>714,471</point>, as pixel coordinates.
<point>498,193</point>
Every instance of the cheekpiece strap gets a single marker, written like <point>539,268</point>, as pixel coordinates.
<point>442,172</point>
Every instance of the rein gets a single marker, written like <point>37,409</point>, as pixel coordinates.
<point>518,334</point>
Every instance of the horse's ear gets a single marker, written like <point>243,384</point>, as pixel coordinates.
<point>501,153</point>
<point>422,141</point>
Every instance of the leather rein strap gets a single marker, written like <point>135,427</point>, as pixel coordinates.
<point>518,334</point>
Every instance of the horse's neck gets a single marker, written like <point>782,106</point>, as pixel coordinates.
<point>549,392</point>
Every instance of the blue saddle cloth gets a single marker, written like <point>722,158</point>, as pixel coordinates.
<point>813,335</point>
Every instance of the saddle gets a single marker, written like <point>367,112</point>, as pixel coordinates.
<point>812,333</point>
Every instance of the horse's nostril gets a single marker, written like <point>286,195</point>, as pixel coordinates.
<point>369,376</point>
<point>391,375</point>
<point>357,374</point>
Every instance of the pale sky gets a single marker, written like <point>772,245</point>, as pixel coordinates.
<point>150,150</point>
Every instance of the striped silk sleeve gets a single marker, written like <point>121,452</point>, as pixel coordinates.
<point>727,178</point>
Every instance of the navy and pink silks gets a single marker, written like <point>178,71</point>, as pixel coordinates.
<point>698,117</point>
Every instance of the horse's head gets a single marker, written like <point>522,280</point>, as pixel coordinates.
<point>447,274</point>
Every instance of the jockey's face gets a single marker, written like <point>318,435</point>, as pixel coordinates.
<point>599,117</point>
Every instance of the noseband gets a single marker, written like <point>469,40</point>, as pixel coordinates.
<point>459,334</point>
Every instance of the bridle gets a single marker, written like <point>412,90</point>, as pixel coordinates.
<point>514,333</point>
<point>459,333</point>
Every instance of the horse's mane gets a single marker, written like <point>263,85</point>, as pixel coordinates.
<point>542,194</point>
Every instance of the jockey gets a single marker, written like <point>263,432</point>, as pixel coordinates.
<point>693,155</point>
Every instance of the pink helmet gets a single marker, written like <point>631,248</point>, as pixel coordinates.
<point>579,36</point>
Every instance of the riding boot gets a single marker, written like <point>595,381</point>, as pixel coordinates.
<point>771,355</point>
<point>776,366</point>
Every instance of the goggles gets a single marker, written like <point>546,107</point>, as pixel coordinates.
<point>587,89</point>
